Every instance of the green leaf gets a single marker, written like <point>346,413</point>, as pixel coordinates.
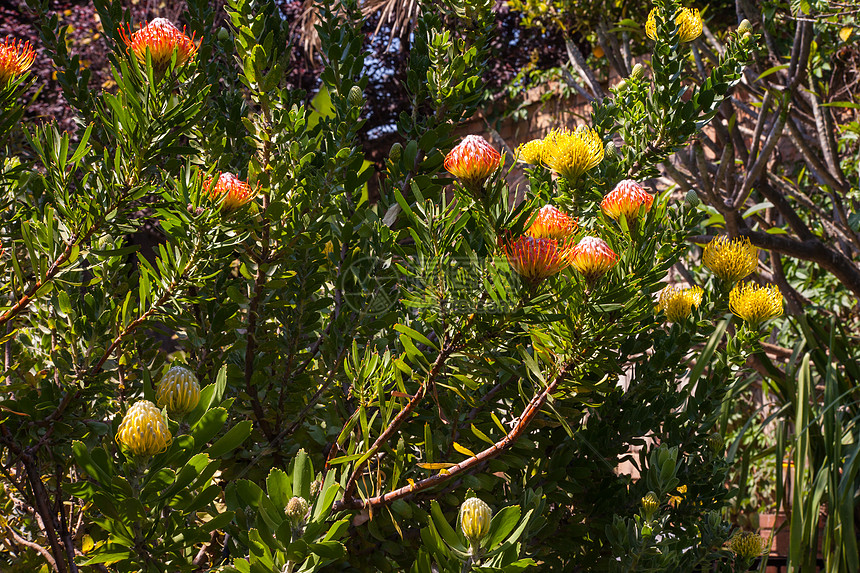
<point>279,487</point>
<point>209,425</point>
<point>302,475</point>
<point>502,524</point>
<point>232,439</point>
<point>444,528</point>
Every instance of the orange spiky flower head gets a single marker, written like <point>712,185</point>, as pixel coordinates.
<point>16,57</point>
<point>551,223</point>
<point>162,39</point>
<point>536,259</point>
<point>627,200</point>
<point>593,258</point>
<point>231,192</point>
<point>472,161</point>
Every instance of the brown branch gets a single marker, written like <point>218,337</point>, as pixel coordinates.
<point>46,555</point>
<point>466,465</point>
<point>401,416</point>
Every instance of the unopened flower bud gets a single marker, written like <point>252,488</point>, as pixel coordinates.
<point>178,391</point>
<point>747,545</point>
<point>747,36</point>
<point>316,487</point>
<point>355,97</point>
<point>692,198</point>
<point>744,27</point>
<point>638,72</point>
<point>297,508</point>
<point>650,504</point>
<point>143,430</point>
<point>475,517</point>
<point>716,443</point>
<point>223,34</point>
<point>395,152</point>
<point>610,150</point>
<point>621,86</point>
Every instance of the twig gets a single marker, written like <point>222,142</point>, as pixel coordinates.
<point>466,465</point>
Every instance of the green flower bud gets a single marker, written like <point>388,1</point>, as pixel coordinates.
<point>650,504</point>
<point>475,517</point>
<point>223,34</point>
<point>621,86</point>
<point>716,443</point>
<point>355,97</point>
<point>638,72</point>
<point>297,508</point>
<point>747,545</point>
<point>610,151</point>
<point>692,198</point>
<point>178,391</point>
<point>316,486</point>
<point>744,27</point>
<point>395,152</point>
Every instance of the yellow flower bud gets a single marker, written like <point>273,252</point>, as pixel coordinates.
<point>143,430</point>
<point>650,504</point>
<point>178,391</point>
<point>475,517</point>
<point>744,27</point>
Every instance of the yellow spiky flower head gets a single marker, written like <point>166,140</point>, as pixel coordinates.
<point>531,152</point>
<point>754,303</point>
<point>730,259</point>
<point>143,430</point>
<point>178,391</point>
<point>475,518</point>
<point>688,20</point>
<point>748,545</point>
<point>572,153</point>
<point>678,302</point>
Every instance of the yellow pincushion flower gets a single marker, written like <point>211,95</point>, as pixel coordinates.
<point>572,153</point>
<point>748,545</point>
<point>678,302</point>
<point>754,303</point>
<point>650,504</point>
<point>730,259</point>
<point>531,152</point>
<point>178,391</point>
<point>475,518</point>
<point>679,496</point>
<point>688,21</point>
<point>143,430</point>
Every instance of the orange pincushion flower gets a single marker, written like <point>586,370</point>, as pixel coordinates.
<point>230,191</point>
<point>551,223</point>
<point>536,259</point>
<point>473,160</point>
<point>162,38</point>
<point>627,199</point>
<point>16,57</point>
<point>592,257</point>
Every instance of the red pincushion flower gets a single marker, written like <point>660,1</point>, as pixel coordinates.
<point>536,259</point>
<point>627,199</point>
<point>593,258</point>
<point>472,161</point>
<point>162,38</point>
<point>552,223</point>
<point>230,191</point>
<point>16,57</point>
